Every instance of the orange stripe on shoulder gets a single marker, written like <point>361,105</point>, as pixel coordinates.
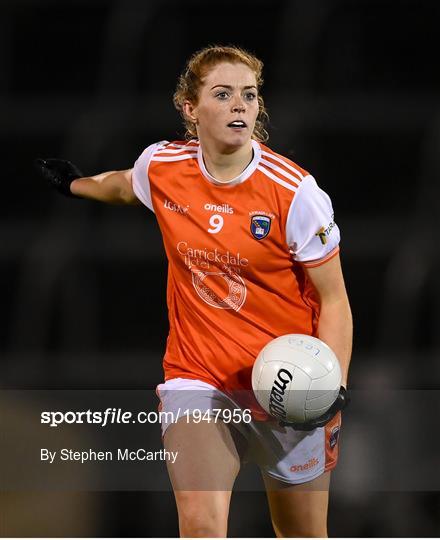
<point>284,162</point>
<point>280,179</point>
<point>280,171</point>
<point>174,152</point>
<point>177,148</point>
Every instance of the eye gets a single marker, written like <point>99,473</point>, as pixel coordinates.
<point>222,95</point>
<point>250,96</point>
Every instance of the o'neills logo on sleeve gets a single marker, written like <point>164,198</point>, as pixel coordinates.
<point>278,394</point>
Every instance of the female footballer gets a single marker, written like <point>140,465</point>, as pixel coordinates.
<point>253,254</point>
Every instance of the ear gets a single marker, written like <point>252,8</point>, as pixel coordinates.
<point>189,111</point>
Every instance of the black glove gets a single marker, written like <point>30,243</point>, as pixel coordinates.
<point>60,173</point>
<point>340,404</point>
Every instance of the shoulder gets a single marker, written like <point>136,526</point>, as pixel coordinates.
<point>168,149</point>
<point>284,162</point>
<point>175,150</point>
<point>281,169</point>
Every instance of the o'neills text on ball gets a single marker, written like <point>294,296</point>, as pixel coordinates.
<point>277,398</point>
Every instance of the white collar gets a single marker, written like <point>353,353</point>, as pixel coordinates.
<point>250,169</point>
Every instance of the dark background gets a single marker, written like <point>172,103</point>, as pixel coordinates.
<point>352,89</point>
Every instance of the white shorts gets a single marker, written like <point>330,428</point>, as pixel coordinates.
<point>287,455</point>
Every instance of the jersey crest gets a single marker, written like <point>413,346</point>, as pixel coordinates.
<point>260,226</point>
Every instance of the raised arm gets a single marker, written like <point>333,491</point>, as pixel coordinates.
<point>114,187</point>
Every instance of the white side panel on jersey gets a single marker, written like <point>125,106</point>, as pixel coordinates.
<point>139,175</point>
<point>311,232</point>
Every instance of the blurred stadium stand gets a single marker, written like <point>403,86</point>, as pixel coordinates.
<point>352,88</point>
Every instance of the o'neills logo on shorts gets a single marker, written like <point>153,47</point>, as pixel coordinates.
<point>305,466</point>
<point>277,405</point>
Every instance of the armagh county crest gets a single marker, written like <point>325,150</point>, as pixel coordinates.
<point>260,226</point>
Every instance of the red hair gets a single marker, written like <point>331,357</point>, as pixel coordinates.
<point>198,66</point>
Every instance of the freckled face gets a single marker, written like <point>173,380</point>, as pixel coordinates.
<point>227,109</point>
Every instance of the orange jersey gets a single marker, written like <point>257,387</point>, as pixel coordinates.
<point>236,253</point>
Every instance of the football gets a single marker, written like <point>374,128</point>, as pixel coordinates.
<point>296,378</point>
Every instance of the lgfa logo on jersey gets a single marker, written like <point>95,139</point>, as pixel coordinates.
<point>260,226</point>
<point>174,207</point>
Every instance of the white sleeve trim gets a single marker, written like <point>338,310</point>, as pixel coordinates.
<point>311,232</point>
<point>139,175</point>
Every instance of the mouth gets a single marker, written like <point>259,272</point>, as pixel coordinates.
<point>237,124</point>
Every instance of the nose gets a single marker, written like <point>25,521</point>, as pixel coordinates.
<point>238,109</point>
<point>238,105</point>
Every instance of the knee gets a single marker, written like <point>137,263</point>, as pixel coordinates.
<point>200,521</point>
<point>194,524</point>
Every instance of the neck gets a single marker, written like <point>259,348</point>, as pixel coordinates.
<point>225,166</point>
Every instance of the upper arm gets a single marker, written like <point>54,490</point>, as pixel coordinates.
<point>313,238</point>
<point>311,232</point>
<point>120,184</point>
<point>328,280</point>
<point>140,178</point>
<point>126,181</point>
<point>114,187</point>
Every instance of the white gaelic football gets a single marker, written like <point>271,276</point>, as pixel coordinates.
<point>296,378</point>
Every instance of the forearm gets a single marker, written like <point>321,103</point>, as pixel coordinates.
<point>112,187</point>
<point>336,329</point>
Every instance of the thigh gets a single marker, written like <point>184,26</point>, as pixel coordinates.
<point>207,457</point>
<point>299,510</point>
<point>202,475</point>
